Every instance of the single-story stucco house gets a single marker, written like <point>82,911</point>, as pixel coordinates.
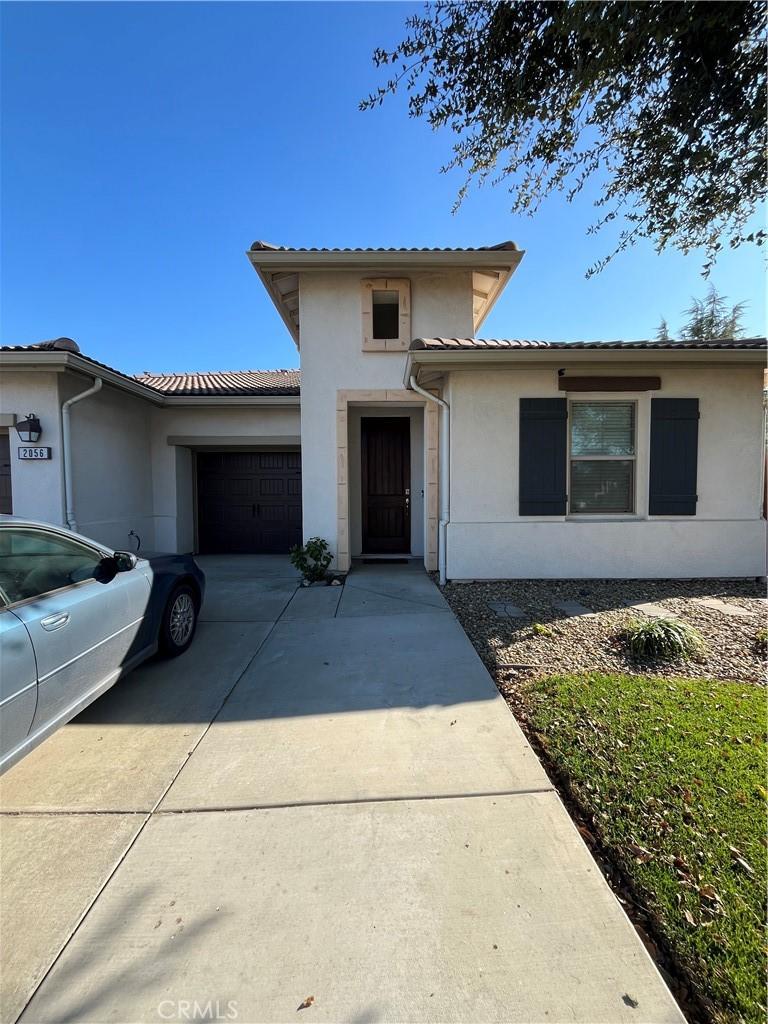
<point>405,434</point>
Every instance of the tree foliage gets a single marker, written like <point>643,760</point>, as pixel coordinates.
<point>662,103</point>
<point>709,319</point>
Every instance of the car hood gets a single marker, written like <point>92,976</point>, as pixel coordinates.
<point>158,559</point>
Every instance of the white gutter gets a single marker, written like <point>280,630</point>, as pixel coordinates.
<point>57,362</point>
<point>66,451</point>
<point>195,401</point>
<point>445,359</point>
<point>444,471</point>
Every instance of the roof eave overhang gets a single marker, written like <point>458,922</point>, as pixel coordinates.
<point>501,262</point>
<point>301,261</point>
<point>290,401</point>
<point>59,362</point>
<point>274,294</point>
<point>442,359</point>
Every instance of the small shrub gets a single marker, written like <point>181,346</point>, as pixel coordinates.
<point>312,559</point>
<point>761,641</point>
<point>541,630</point>
<point>663,640</point>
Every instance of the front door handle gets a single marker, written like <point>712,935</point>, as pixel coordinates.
<point>55,621</point>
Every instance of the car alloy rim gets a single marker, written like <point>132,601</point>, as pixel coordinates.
<point>182,619</point>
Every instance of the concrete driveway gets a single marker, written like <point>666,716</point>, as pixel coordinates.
<point>325,797</point>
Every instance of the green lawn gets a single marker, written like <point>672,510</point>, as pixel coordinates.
<point>672,772</point>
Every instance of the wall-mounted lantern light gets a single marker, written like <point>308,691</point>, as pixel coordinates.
<point>29,430</point>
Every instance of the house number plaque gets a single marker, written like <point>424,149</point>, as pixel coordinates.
<point>33,452</point>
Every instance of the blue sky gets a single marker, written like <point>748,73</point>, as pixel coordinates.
<point>145,146</point>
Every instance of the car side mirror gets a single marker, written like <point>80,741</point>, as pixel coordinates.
<point>106,570</point>
<point>126,560</point>
<point>111,565</point>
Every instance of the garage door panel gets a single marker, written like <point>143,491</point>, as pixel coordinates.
<point>248,502</point>
<point>272,487</point>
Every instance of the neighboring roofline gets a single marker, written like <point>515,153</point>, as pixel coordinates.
<point>503,258</point>
<point>57,361</point>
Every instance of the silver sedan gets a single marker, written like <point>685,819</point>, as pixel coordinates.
<point>76,616</point>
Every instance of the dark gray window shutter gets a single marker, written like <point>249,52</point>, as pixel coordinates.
<point>543,455</point>
<point>674,456</point>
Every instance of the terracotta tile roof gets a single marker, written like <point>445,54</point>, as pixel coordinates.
<point>453,344</point>
<point>241,383</point>
<point>500,247</point>
<point>55,345</point>
<point>68,347</point>
<point>277,383</point>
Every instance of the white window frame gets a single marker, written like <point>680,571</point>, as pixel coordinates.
<point>386,284</point>
<point>633,512</point>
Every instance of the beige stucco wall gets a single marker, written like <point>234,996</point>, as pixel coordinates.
<point>38,487</point>
<point>332,359</point>
<point>132,461</point>
<point>487,538</point>
<point>178,431</point>
<point>111,477</point>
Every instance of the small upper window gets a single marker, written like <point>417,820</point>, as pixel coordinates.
<point>386,313</point>
<point>602,457</point>
<point>386,308</point>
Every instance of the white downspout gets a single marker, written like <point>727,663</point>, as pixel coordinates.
<point>66,451</point>
<point>444,471</point>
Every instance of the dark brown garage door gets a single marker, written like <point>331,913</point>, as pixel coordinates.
<point>248,502</point>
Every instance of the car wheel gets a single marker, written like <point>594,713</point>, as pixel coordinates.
<point>177,628</point>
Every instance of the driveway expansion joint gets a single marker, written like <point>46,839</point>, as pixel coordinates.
<point>400,598</point>
<point>67,813</point>
<point>224,808</point>
<point>147,815</point>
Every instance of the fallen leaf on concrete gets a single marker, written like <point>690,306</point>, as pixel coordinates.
<point>306,1004</point>
<point>626,998</point>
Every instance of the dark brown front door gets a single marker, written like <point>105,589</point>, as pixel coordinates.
<point>248,502</point>
<point>6,504</point>
<point>386,482</point>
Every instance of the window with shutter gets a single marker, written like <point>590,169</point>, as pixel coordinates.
<point>674,456</point>
<point>543,456</point>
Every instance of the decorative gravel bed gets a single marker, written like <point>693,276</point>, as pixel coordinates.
<point>519,649</point>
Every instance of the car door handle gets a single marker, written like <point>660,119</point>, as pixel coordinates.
<point>55,621</point>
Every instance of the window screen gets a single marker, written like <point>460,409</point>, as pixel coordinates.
<point>602,461</point>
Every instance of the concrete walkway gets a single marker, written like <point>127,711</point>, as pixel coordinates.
<point>327,797</point>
